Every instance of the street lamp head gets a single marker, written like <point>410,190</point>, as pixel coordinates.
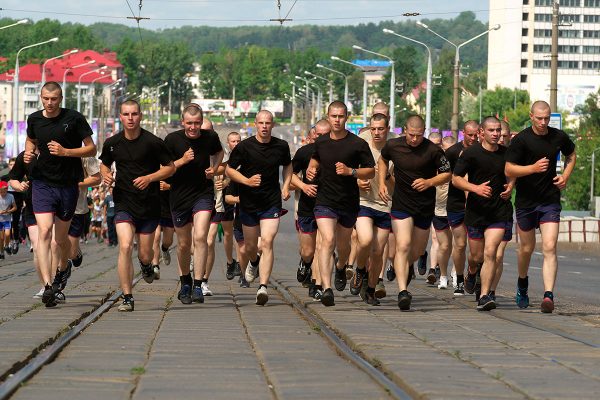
<point>320,66</point>
<point>496,27</point>
<point>357,47</point>
<point>422,25</point>
<point>54,39</point>
<point>73,51</point>
<point>307,73</point>
<point>335,58</point>
<point>298,77</point>
<point>385,30</point>
<point>23,21</point>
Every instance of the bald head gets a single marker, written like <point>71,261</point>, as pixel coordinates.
<point>264,114</point>
<point>323,127</point>
<point>415,122</point>
<point>540,105</point>
<point>381,108</point>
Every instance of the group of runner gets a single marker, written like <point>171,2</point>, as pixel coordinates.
<point>370,187</point>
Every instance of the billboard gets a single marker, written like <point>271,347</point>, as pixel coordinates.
<point>215,105</point>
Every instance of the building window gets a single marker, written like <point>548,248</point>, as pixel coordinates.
<point>523,78</point>
<point>541,63</point>
<point>568,64</point>
<point>543,3</point>
<point>591,18</point>
<point>543,18</point>
<point>524,47</point>
<point>567,18</point>
<point>542,48</point>
<point>525,16</point>
<point>591,49</point>
<point>570,3</point>
<point>592,3</point>
<point>29,90</point>
<point>525,2</point>
<point>567,33</point>
<point>568,49</point>
<point>591,34</point>
<point>31,104</point>
<point>542,33</point>
<point>524,32</point>
<point>523,63</point>
<point>590,64</point>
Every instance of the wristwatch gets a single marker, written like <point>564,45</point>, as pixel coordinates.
<point>354,172</point>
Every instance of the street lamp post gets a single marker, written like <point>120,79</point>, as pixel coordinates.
<point>97,70</point>
<point>330,83</point>
<point>21,22</point>
<point>345,80</point>
<point>91,96</point>
<point>293,102</point>
<point>64,86</point>
<point>308,115</point>
<point>455,96</point>
<point>392,84</point>
<point>54,58</point>
<point>365,83</point>
<point>429,78</point>
<point>157,105</point>
<point>15,116</point>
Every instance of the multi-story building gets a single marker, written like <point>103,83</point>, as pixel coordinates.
<point>519,53</point>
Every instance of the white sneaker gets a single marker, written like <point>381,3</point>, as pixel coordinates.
<point>262,296</point>
<point>206,290</point>
<point>454,279</point>
<point>156,272</point>
<point>443,282</point>
<point>39,294</point>
<point>251,273</point>
<point>166,256</point>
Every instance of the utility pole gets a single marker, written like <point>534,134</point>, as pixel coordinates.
<point>554,58</point>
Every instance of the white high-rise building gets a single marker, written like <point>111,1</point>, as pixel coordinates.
<point>519,53</point>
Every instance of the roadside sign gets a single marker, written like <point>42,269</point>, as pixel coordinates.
<point>556,120</point>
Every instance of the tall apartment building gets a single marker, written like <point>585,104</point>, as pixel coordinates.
<point>519,53</point>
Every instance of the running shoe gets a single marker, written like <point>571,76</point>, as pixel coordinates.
<point>318,294</point>
<point>470,281</point>
<point>363,288</point>
<point>371,299</point>
<point>422,264</point>
<point>243,282</point>
<point>486,303</point>
<point>147,273</point>
<point>229,273</point>
<point>411,274</point>
<point>237,271</point>
<point>454,278</point>
<point>349,271</point>
<point>492,294</point>
<point>380,292</point>
<point>327,299</point>
<point>431,278</point>
<point>206,289</point>
<point>156,270</point>
<point>60,297</point>
<point>262,296</point>
<point>460,289</point>
<point>1,256</point>
<point>404,300</point>
<point>478,286</point>
<point>39,294</point>
<point>252,271</point>
<point>390,273</point>
<point>15,246</point>
<point>312,288</point>
<point>443,282</point>
<point>78,259</point>
<point>437,272</point>
<point>197,296</point>
<point>127,305</point>
<point>8,250</point>
<point>48,296</point>
<point>185,294</point>
<point>547,305</point>
<point>166,256</point>
<point>340,279</point>
<point>522,299</point>
<point>356,283</point>
<point>304,271</point>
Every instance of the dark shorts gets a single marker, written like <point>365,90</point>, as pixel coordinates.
<point>77,224</point>
<point>306,225</point>
<point>182,218</point>
<point>381,219</point>
<point>97,224</point>
<point>347,219</point>
<point>228,214</point>
<point>478,232</point>
<point>531,218</point>
<point>28,217</point>
<point>254,218</point>
<point>440,223</point>
<point>217,217</point>
<point>166,222</point>
<point>142,226</point>
<point>60,201</point>
<point>419,221</point>
<point>456,218</point>
<point>238,234</point>
<point>5,225</point>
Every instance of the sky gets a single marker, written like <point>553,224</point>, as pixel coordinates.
<point>164,14</point>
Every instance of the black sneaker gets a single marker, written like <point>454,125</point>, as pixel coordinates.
<point>522,298</point>
<point>437,272</point>
<point>422,263</point>
<point>60,297</point>
<point>478,287</point>
<point>243,282</point>
<point>230,273</point>
<point>197,296</point>
<point>340,279</point>
<point>470,281</point>
<point>431,276</point>
<point>304,272</point>
<point>128,305</point>
<point>48,296</point>
<point>8,250</point>
<point>318,295</point>
<point>147,273</point>
<point>237,271</point>
<point>404,299</point>
<point>357,281</point>
<point>364,287</point>
<point>185,294</point>
<point>390,273</point>
<point>78,259</point>
<point>62,277</point>
<point>460,289</point>
<point>1,256</point>
<point>411,274</point>
<point>312,288</point>
<point>370,299</point>
<point>327,299</point>
<point>486,303</point>
<point>15,247</point>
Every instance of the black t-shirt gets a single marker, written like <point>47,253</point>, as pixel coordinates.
<point>233,189</point>
<point>69,129</point>
<point>410,163</point>
<point>189,182</point>
<point>165,204</point>
<point>134,158</point>
<point>482,165</point>
<point>527,148</point>
<point>252,157</point>
<point>22,172</point>
<point>340,191</point>
<point>456,197</point>
<point>300,162</point>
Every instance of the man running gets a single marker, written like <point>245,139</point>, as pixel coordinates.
<point>163,236</point>
<point>56,134</point>
<point>531,158</point>
<point>138,156</point>
<point>419,166</point>
<point>488,213</point>
<point>198,154</point>
<point>254,164</point>
<point>340,158</point>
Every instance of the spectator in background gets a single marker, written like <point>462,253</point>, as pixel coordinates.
<point>7,207</point>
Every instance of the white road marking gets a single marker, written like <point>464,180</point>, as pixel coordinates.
<point>587,259</point>
<point>574,272</point>
<point>535,267</point>
<point>562,256</point>
<point>537,253</point>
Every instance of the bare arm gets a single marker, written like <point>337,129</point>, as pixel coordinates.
<point>461,183</point>
<point>382,168</point>
<point>286,174</point>
<point>91,181</point>
<point>87,150</point>
<point>30,148</point>
<point>560,181</point>
<point>238,177</point>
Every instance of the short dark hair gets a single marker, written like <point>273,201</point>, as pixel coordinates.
<point>192,109</point>
<point>380,117</point>
<point>487,120</point>
<point>415,120</point>
<point>130,102</point>
<point>52,86</point>
<point>338,104</point>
